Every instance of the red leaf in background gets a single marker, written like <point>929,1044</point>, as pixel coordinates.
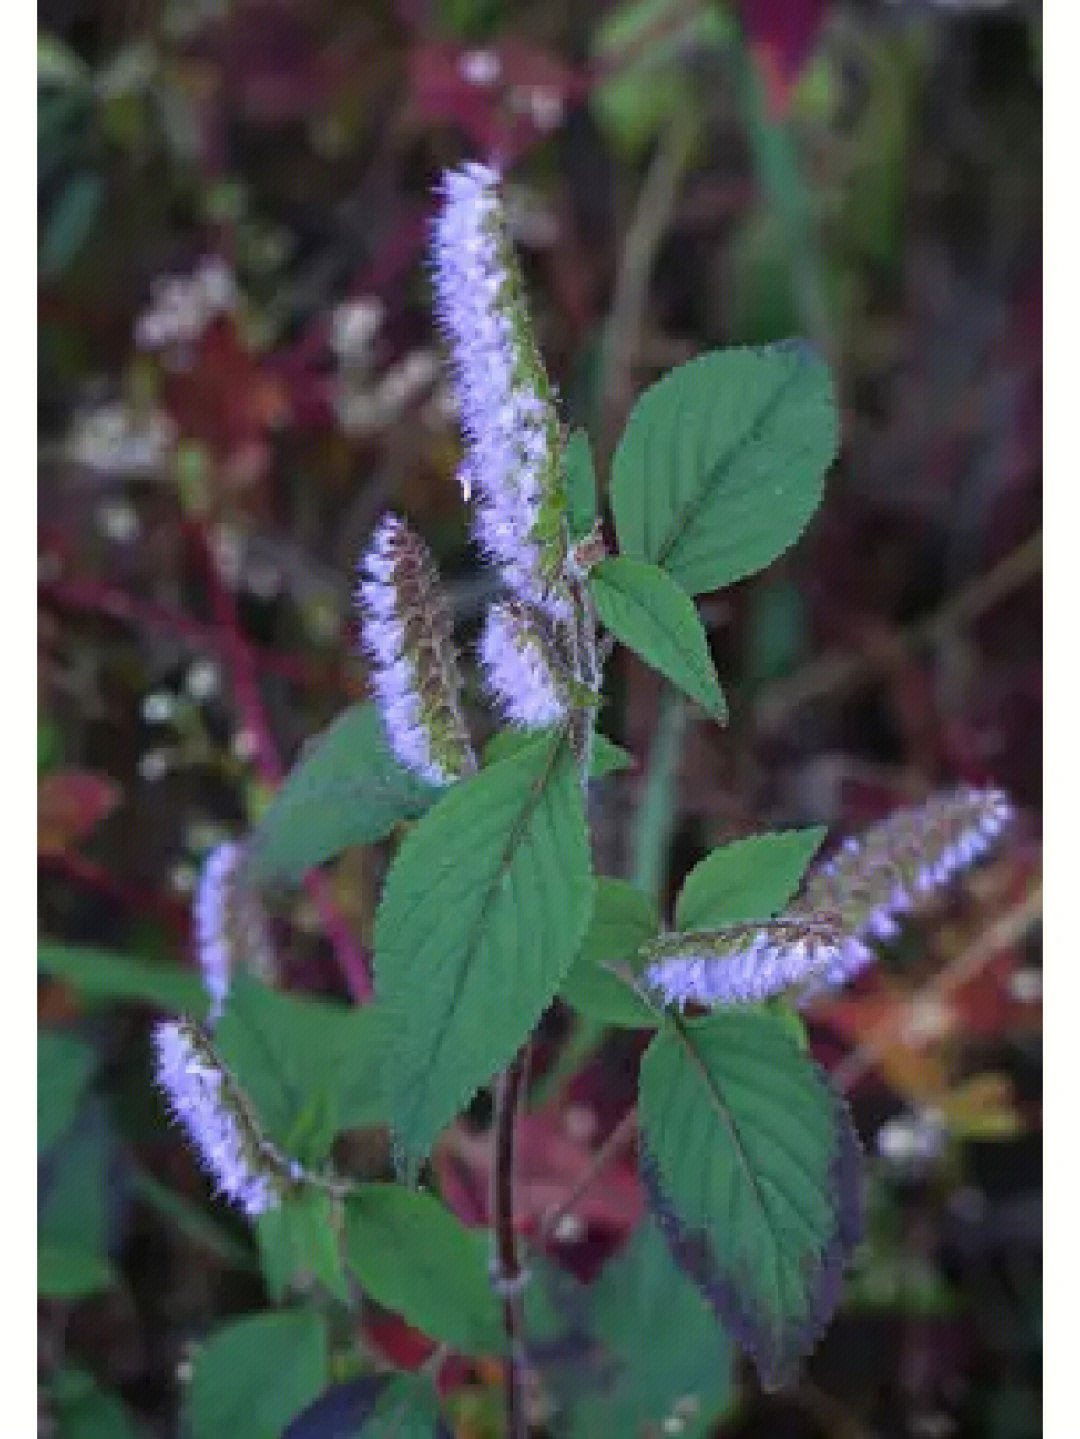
<point>70,804</point>
<point>274,67</point>
<point>548,1165</point>
<point>404,1346</point>
<point>225,398</point>
<point>505,97</point>
<point>781,34</point>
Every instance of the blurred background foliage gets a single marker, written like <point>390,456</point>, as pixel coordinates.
<point>237,373</point>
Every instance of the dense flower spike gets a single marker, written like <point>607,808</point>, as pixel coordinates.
<point>230,926</point>
<point>519,657</point>
<point>879,876</point>
<point>746,963</point>
<point>507,406</point>
<point>407,633</point>
<point>203,1097</point>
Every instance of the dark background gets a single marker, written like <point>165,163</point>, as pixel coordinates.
<point>202,505</point>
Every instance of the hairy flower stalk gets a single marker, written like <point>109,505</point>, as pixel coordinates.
<point>207,1102</point>
<point>407,633</point>
<point>507,405</point>
<point>518,652</point>
<point>747,963</point>
<point>884,873</point>
<point>230,926</point>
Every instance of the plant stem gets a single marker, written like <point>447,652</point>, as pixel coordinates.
<point>508,1273</point>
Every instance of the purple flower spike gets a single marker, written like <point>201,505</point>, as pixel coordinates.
<point>204,1099</point>
<point>230,926</point>
<point>517,653</point>
<point>512,441</point>
<point>875,879</point>
<point>748,963</point>
<point>407,634</point>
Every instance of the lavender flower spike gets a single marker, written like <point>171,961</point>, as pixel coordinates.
<point>875,879</point>
<point>407,633</point>
<point>204,1098</point>
<point>230,926</point>
<point>747,963</point>
<point>512,440</point>
<point>521,667</point>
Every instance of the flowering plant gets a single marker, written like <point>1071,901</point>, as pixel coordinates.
<point>490,910</point>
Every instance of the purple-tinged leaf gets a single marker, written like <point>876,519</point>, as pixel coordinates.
<point>751,1168</point>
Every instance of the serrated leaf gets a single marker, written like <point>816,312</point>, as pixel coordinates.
<point>67,1271</point>
<point>645,609</point>
<point>748,879</point>
<point>678,1371</point>
<point>255,1374</point>
<point>309,1068</point>
<point>751,1167</point>
<point>721,463</point>
<point>580,479</point>
<point>482,914</point>
<point>64,1067</point>
<point>608,757</point>
<point>622,920</point>
<point>346,789</point>
<point>297,1239</point>
<point>122,977</point>
<point>415,1257</point>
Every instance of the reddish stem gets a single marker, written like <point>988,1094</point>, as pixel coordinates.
<point>350,961</point>
<point>96,597</point>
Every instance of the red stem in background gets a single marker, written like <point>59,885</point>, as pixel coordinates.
<point>95,596</point>
<point>163,907</point>
<point>350,961</point>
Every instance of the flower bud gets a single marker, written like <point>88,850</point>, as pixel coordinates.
<point>415,676</point>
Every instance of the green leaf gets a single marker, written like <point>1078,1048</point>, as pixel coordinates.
<point>608,757</point>
<point>413,1256</point>
<point>72,1218</point>
<point>721,463</point>
<point>67,1271</point>
<point>297,1239</point>
<point>678,1372</point>
<point>347,789</point>
<point>751,1166</point>
<point>481,916</point>
<point>86,1412</point>
<point>64,1067</point>
<point>70,223</point>
<point>622,920</point>
<point>580,481</point>
<point>645,609</point>
<point>310,1068</point>
<point>121,977</point>
<point>643,85</point>
<point>748,879</point>
<point>255,1374</point>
